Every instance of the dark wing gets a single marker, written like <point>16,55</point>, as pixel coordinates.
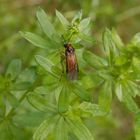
<point>71,66</point>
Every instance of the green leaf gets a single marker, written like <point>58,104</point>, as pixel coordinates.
<point>84,24</point>
<point>46,64</point>
<point>5,131</point>
<point>42,89</point>
<point>89,109</point>
<point>129,102</point>
<point>118,91</point>
<point>137,126</point>
<point>2,107</point>
<point>28,75</point>
<point>14,68</point>
<point>136,40</point>
<point>104,74</point>
<point>63,102</point>
<point>29,119</point>
<point>121,60</point>
<point>94,60</point>
<point>78,46</point>
<point>92,80</point>
<point>36,40</point>
<point>56,70</point>
<point>60,131</point>
<point>45,128</point>
<point>107,41</point>
<point>86,38</point>
<point>79,129</point>
<point>12,100</point>
<point>77,18</point>
<point>40,102</point>
<point>136,64</point>
<point>109,46</point>
<point>132,88</point>
<point>46,25</point>
<point>80,91</point>
<point>117,40</point>
<point>16,132</point>
<point>62,19</point>
<point>105,96</point>
<point>20,86</point>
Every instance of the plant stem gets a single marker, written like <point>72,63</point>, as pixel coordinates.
<point>23,97</point>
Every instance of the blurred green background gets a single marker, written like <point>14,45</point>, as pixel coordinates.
<point>124,15</point>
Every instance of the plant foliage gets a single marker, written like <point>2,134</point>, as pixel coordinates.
<point>60,107</point>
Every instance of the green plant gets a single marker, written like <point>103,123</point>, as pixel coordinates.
<point>62,106</point>
<point>15,84</point>
<point>118,70</point>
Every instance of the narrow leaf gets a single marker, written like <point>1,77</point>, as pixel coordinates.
<point>107,41</point>
<point>84,24</point>
<point>32,119</point>
<point>2,107</point>
<point>46,64</point>
<point>77,18</point>
<point>36,40</point>
<point>28,75</point>
<point>109,46</point>
<point>14,68</point>
<point>134,88</point>
<point>62,19</point>
<point>131,88</point>
<point>81,92</point>
<point>79,129</point>
<point>60,131</point>
<point>5,131</point>
<point>129,102</point>
<point>94,60</point>
<point>63,102</point>
<point>12,100</point>
<point>118,91</point>
<point>136,40</point>
<point>46,25</point>
<point>21,86</point>
<point>42,89</point>
<point>44,129</point>
<point>105,96</point>
<point>86,38</point>
<point>89,109</point>
<point>117,40</point>
<point>40,102</point>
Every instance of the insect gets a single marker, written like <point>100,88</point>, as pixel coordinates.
<point>71,62</point>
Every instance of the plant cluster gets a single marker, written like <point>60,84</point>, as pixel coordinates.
<point>61,106</point>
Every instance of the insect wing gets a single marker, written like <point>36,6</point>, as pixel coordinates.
<point>71,66</point>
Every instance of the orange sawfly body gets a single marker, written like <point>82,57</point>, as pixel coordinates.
<point>71,62</point>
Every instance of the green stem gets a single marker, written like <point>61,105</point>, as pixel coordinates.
<point>20,100</point>
<point>23,97</point>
